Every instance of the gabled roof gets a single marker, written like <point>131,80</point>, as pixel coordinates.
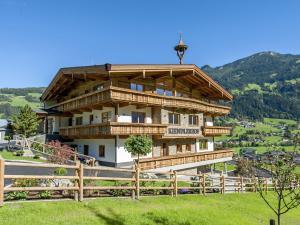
<point>67,77</point>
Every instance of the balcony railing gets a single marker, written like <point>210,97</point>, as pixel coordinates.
<point>123,95</point>
<point>158,162</point>
<point>112,128</point>
<point>216,131</point>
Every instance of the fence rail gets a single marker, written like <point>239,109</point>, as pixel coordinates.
<point>84,182</point>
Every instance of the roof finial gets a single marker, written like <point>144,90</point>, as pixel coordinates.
<point>180,49</point>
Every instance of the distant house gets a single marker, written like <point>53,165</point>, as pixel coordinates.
<point>3,128</point>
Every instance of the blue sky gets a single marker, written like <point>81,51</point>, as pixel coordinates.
<point>38,37</point>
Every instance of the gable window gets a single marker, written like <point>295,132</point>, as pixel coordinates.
<point>174,118</point>
<point>101,150</point>
<point>79,120</point>
<point>137,117</point>
<point>136,87</point>
<point>106,117</point>
<point>193,120</point>
<point>98,87</point>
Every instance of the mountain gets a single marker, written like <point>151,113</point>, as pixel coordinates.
<point>11,99</point>
<point>265,84</point>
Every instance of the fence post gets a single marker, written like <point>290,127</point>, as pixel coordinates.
<point>266,185</point>
<point>175,184</point>
<point>2,168</point>
<point>133,177</point>
<point>199,177</point>
<point>137,182</point>
<point>203,184</point>
<point>242,184</point>
<point>222,182</point>
<point>81,172</point>
<point>77,172</point>
<point>171,182</point>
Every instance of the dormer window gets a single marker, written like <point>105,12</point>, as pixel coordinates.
<point>136,87</point>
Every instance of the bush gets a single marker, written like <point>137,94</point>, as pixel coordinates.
<point>19,153</point>
<point>17,195</point>
<point>37,156</point>
<point>60,172</point>
<point>45,194</point>
<point>37,147</point>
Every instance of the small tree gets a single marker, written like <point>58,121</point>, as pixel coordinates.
<point>59,153</point>
<point>138,145</point>
<point>286,192</point>
<point>26,122</point>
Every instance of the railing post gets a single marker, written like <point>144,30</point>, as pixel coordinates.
<point>2,168</point>
<point>175,184</point>
<point>77,181</point>
<point>81,174</point>
<point>137,182</point>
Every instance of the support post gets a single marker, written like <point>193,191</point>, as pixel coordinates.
<point>81,171</point>
<point>175,184</point>
<point>137,183</point>
<point>2,168</point>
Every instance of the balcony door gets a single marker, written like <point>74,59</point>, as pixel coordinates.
<point>138,117</point>
<point>164,150</point>
<point>86,150</point>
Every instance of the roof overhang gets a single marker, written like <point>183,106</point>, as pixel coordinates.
<point>190,73</point>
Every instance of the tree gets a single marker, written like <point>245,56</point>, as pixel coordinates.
<point>59,153</point>
<point>9,133</point>
<point>26,122</point>
<point>138,145</point>
<point>286,192</point>
<point>245,167</point>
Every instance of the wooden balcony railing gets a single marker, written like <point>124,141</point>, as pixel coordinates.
<point>216,131</point>
<point>123,95</point>
<point>158,162</point>
<point>111,128</point>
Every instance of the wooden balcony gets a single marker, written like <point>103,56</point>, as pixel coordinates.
<point>110,129</point>
<point>166,161</point>
<point>122,95</point>
<point>216,131</point>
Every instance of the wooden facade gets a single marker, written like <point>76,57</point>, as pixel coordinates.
<point>166,161</point>
<point>216,131</point>
<point>110,129</point>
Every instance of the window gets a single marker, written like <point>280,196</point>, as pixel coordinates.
<point>174,118</point>
<point>178,94</point>
<point>70,122</point>
<point>101,150</point>
<point>136,87</point>
<point>178,148</point>
<point>91,118</point>
<point>203,144</point>
<point>188,147</point>
<point>137,117</point>
<point>86,150</point>
<point>106,117</point>
<point>163,91</point>
<point>79,120</point>
<point>193,120</point>
<point>98,87</point>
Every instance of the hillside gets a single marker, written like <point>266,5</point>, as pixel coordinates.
<point>11,99</point>
<point>266,84</point>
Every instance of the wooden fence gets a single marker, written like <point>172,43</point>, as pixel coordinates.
<point>84,182</point>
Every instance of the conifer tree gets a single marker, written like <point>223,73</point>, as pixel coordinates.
<point>26,122</point>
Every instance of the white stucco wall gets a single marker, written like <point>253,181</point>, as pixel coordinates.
<point>125,113</point>
<point>94,148</point>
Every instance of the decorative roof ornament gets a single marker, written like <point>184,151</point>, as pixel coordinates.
<point>180,49</point>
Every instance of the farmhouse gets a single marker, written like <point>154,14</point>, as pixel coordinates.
<point>95,108</point>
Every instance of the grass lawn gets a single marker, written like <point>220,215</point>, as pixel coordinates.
<point>220,167</point>
<point>11,156</point>
<point>21,101</point>
<point>279,121</point>
<point>216,209</point>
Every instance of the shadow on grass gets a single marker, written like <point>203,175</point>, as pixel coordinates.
<point>161,220</point>
<point>109,218</point>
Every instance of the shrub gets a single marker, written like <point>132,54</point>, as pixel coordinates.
<point>45,194</point>
<point>60,172</point>
<point>19,153</point>
<point>37,156</point>
<point>17,195</point>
